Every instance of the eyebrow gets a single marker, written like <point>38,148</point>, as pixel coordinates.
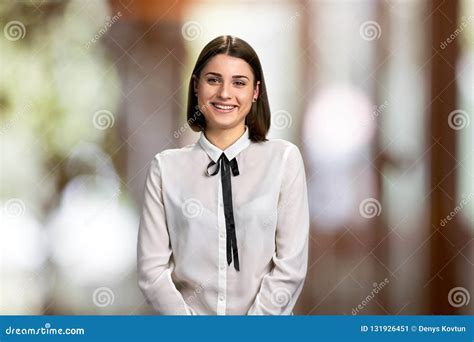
<point>219,75</point>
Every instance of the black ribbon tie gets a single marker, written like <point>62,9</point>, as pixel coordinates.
<point>224,165</point>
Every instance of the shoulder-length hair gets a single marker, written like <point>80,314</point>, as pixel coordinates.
<point>258,119</point>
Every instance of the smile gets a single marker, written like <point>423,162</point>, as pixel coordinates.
<point>223,108</point>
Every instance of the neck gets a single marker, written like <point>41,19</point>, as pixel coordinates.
<point>223,138</point>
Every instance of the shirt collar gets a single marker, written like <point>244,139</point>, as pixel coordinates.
<point>230,152</point>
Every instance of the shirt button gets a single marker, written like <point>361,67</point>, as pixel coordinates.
<point>220,205</point>
<point>221,299</point>
<point>221,235</point>
<point>222,267</point>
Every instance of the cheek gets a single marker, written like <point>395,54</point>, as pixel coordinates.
<point>204,91</point>
<point>204,94</point>
<point>246,100</point>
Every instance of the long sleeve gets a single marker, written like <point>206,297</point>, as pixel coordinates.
<point>155,263</point>
<point>281,287</point>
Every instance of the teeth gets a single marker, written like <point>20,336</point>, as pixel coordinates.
<point>223,107</point>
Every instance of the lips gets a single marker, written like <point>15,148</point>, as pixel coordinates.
<point>223,108</point>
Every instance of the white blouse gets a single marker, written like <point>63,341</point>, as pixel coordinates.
<point>183,257</point>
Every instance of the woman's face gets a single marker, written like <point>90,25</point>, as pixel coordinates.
<point>225,91</point>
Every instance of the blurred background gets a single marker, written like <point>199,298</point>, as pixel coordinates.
<point>378,95</point>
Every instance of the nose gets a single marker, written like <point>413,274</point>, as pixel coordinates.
<point>224,92</point>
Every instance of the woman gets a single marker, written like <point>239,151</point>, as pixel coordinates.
<point>224,226</point>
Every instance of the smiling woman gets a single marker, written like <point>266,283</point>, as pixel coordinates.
<point>254,215</point>
<point>228,79</point>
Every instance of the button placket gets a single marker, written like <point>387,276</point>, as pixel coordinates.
<point>222,262</point>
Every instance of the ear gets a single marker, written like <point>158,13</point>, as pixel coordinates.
<point>256,91</point>
<point>195,83</point>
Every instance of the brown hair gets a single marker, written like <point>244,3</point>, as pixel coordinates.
<point>258,119</point>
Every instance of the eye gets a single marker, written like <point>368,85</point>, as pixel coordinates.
<point>239,83</point>
<point>212,80</point>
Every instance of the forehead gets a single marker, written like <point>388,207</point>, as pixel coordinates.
<point>228,66</point>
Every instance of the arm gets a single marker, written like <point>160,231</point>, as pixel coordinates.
<point>281,287</point>
<point>155,264</point>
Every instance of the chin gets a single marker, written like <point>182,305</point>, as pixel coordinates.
<point>222,122</point>
<point>224,125</point>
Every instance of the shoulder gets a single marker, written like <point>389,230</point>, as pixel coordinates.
<point>280,143</point>
<point>174,155</point>
<point>279,147</point>
<point>290,159</point>
<point>176,152</point>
